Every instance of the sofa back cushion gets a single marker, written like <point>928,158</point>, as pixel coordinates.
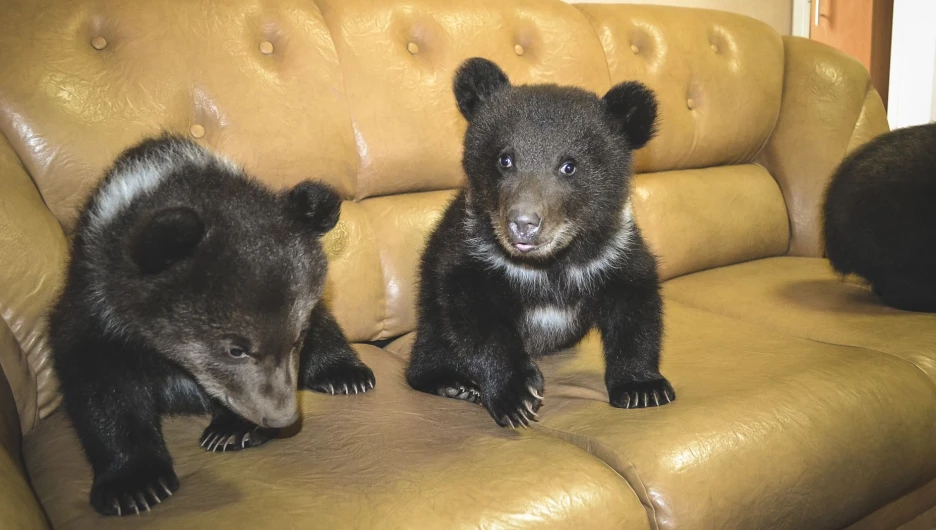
<point>718,77</point>
<point>358,93</point>
<point>80,80</point>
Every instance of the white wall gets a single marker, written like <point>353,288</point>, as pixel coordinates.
<point>912,92</point>
<point>777,13</point>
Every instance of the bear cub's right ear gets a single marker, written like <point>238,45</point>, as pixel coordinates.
<point>477,79</point>
<point>315,204</point>
<point>165,237</point>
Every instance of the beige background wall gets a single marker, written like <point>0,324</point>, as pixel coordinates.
<point>777,13</point>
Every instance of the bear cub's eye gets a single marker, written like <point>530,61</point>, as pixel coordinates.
<point>567,168</point>
<point>505,161</point>
<point>237,352</point>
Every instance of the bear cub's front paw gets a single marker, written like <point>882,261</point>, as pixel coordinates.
<point>514,401</point>
<point>641,394</point>
<point>232,433</point>
<point>347,378</point>
<point>136,487</point>
<point>465,391</point>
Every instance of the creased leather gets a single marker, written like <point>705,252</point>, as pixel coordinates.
<point>32,259</point>
<point>69,109</point>
<point>768,430</point>
<point>825,102</point>
<point>388,459</point>
<point>717,77</point>
<point>698,219</point>
<point>805,298</point>
<point>398,60</point>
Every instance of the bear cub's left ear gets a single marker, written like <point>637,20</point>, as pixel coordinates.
<point>633,111</point>
<point>315,204</point>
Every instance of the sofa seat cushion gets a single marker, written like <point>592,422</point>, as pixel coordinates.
<point>391,458</point>
<point>806,298</point>
<point>768,430</point>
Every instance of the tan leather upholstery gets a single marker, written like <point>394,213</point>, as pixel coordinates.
<point>704,218</point>
<point>31,264</point>
<point>69,108</point>
<point>391,458</point>
<point>354,287</point>
<point>802,402</point>
<point>761,419</point>
<point>398,61</point>
<point>717,76</point>
<point>401,225</point>
<point>828,107</point>
<point>803,297</point>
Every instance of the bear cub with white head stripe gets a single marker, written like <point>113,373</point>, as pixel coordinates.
<point>192,288</point>
<point>539,247</point>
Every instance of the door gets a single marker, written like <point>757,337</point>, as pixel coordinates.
<point>860,28</point>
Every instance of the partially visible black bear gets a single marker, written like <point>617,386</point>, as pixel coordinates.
<point>880,217</point>
<point>539,247</point>
<point>192,288</point>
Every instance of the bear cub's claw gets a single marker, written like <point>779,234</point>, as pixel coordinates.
<point>467,392</point>
<point>135,488</point>
<point>348,378</point>
<point>230,433</point>
<point>642,394</point>
<point>515,403</point>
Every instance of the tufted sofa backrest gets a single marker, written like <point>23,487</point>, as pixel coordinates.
<point>358,93</point>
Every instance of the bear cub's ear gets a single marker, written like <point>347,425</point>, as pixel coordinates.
<point>315,204</point>
<point>477,79</point>
<point>166,237</point>
<point>633,110</point>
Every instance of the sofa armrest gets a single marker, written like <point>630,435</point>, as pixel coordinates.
<point>827,109</point>
<point>33,253</point>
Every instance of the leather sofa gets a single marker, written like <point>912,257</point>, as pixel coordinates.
<point>803,401</point>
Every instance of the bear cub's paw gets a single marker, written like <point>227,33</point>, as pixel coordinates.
<point>135,488</point>
<point>232,433</point>
<point>457,390</point>
<point>641,394</point>
<point>345,378</point>
<point>515,398</point>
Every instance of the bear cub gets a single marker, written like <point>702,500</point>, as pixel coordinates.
<point>879,218</point>
<point>538,247</point>
<point>192,288</point>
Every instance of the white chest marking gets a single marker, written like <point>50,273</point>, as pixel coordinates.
<point>545,328</point>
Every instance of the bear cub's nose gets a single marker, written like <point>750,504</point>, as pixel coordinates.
<point>523,225</point>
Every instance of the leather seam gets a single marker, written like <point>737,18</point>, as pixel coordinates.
<point>636,483</point>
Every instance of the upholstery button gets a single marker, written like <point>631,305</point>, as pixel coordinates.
<point>413,48</point>
<point>98,43</point>
<point>266,47</point>
<point>714,48</point>
<point>690,104</point>
<point>634,48</point>
<point>518,49</point>
<point>197,131</point>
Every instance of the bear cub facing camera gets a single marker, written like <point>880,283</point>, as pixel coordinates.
<point>538,247</point>
<point>880,219</point>
<point>191,289</point>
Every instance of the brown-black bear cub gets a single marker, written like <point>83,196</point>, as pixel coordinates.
<point>538,247</point>
<point>880,219</point>
<point>192,288</point>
